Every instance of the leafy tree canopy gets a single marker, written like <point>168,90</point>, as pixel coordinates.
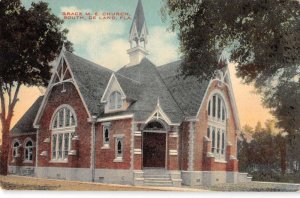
<point>29,41</point>
<point>261,36</point>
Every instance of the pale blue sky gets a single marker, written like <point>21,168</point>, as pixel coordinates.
<point>112,37</point>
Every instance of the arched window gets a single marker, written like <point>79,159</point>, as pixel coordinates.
<point>16,147</point>
<point>63,118</point>
<point>115,101</point>
<point>119,150</point>
<point>106,129</point>
<point>216,130</point>
<point>28,151</point>
<point>63,130</point>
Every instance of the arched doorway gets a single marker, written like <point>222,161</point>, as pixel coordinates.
<point>154,145</point>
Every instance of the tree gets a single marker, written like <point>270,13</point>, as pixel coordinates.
<point>262,38</point>
<point>265,154</point>
<point>29,41</point>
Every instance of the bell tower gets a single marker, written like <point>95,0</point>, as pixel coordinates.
<point>138,36</point>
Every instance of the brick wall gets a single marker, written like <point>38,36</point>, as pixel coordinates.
<point>83,129</point>
<point>19,161</point>
<point>200,163</point>
<point>105,156</point>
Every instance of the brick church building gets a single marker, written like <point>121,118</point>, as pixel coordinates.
<point>140,125</point>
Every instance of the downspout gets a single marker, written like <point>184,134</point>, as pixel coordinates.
<point>37,148</point>
<point>93,143</point>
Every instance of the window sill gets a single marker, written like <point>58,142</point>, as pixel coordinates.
<point>58,161</point>
<point>105,146</point>
<point>118,159</point>
<point>220,161</point>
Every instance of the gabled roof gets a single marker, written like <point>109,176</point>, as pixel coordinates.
<point>91,79</point>
<point>130,87</point>
<point>188,92</point>
<point>25,124</point>
<point>152,89</point>
<point>139,18</point>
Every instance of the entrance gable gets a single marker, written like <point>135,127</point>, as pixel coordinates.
<point>159,114</point>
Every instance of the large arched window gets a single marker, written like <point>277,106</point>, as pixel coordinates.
<point>115,101</point>
<point>63,130</point>
<point>216,130</point>
<point>28,151</point>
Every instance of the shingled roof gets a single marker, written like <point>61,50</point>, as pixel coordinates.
<point>153,89</point>
<point>188,92</point>
<point>25,124</point>
<point>91,78</point>
<point>130,87</point>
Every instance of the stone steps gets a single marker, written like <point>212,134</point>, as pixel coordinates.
<point>157,177</point>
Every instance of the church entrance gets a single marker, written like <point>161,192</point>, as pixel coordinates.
<point>154,146</point>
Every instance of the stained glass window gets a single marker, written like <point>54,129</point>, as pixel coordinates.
<point>217,126</point>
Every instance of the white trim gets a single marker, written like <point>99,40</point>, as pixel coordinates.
<point>122,117</point>
<point>233,103</point>
<point>105,144</point>
<point>119,135</point>
<point>132,141</point>
<point>25,148</point>
<point>173,134</point>
<point>234,106</point>
<point>173,152</point>
<point>77,87</point>
<point>137,133</point>
<point>15,140</point>
<point>137,151</point>
<point>223,98</point>
<point>107,91</point>
<point>56,111</point>
<point>191,146</point>
<point>159,115</point>
<point>49,89</point>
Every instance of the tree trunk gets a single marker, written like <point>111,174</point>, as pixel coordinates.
<point>283,157</point>
<point>6,122</point>
<point>5,151</point>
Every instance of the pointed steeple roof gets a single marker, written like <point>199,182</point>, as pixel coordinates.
<point>139,19</point>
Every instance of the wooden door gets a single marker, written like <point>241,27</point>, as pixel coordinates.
<point>154,149</point>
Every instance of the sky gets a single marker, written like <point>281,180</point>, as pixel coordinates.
<point>105,42</point>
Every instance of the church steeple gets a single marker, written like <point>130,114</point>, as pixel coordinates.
<point>138,36</point>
